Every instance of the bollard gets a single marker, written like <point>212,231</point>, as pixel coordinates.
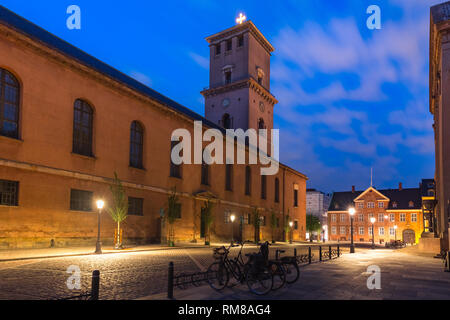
<point>339,251</point>
<point>320,253</point>
<point>330,253</point>
<point>309,255</point>
<point>95,285</point>
<point>170,281</point>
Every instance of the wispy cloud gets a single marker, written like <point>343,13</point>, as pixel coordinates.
<point>200,60</point>
<point>141,77</point>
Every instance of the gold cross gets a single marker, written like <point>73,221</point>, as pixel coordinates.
<point>241,18</point>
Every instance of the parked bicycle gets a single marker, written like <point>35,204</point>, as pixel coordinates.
<point>256,273</point>
<point>290,267</point>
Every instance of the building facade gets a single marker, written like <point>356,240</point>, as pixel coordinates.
<point>68,122</point>
<point>440,108</point>
<point>317,204</point>
<point>398,215</point>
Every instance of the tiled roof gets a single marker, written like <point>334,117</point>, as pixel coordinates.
<point>344,200</point>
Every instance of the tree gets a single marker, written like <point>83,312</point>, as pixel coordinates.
<point>287,228</point>
<point>119,208</point>
<point>207,210</point>
<point>256,223</point>
<point>312,224</point>
<point>173,213</point>
<point>273,223</point>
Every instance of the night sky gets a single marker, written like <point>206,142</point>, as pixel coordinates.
<point>350,98</point>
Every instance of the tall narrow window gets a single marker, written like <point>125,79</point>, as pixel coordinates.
<point>175,170</point>
<point>229,177</point>
<point>261,124</point>
<point>136,145</point>
<point>218,49</point>
<point>226,121</point>
<point>9,105</point>
<point>205,174</point>
<point>277,190</point>
<point>263,187</point>
<point>83,128</point>
<point>227,77</point>
<point>229,45</point>
<point>248,179</point>
<point>295,198</point>
<point>241,41</point>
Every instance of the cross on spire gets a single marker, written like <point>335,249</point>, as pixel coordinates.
<point>241,19</point>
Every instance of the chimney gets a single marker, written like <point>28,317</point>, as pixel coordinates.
<point>400,186</point>
<point>353,189</point>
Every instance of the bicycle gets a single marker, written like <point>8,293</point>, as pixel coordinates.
<point>255,274</point>
<point>275,266</point>
<point>290,267</point>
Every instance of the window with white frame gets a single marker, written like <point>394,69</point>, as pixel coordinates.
<point>380,217</point>
<point>402,217</point>
<point>392,217</point>
<point>360,217</point>
<point>381,231</point>
<point>391,231</point>
<point>371,205</point>
<point>343,230</point>
<point>361,231</point>
<point>333,230</point>
<point>380,204</point>
<point>370,231</point>
<point>370,216</point>
<point>333,218</point>
<point>413,217</point>
<point>343,217</point>
<point>360,205</point>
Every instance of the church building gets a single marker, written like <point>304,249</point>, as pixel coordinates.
<point>69,122</point>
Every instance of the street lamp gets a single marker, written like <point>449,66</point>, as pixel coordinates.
<point>232,218</point>
<point>291,224</point>
<point>323,231</point>
<point>395,228</point>
<point>351,212</point>
<point>372,220</point>
<point>98,247</point>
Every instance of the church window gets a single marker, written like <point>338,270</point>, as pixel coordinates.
<point>175,170</point>
<point>263,187</point>
<point>9,105</point>
<point>205,174</point>
<point>229,45</point>
<point>226,121</point>
<point>241,41</point>
<point>81,200</point>
<point>136,145</point>
<point>277,190</point>
<point>83,128</point>
<point>9,193</point>
<point>229,177</point>
<point>228,77</point>
<point>248,178</point>
<point>218,49</point>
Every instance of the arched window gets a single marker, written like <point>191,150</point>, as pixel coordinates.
<point>205,174</point>
<point>137,145</point>
<point>83,128</point>
<point>9,105</point>
<point>277,190</point>
<point>226,121</point>
<point>261,124</point>
<point>263,187</point>
<point>248,180</point>
<point>229,177</point>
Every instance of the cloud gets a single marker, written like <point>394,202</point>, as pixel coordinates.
<point>141,77</point>
<point>200,60</point>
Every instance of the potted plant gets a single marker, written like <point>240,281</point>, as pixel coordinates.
<point>209,219</point>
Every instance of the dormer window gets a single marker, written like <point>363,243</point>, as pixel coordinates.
<point>411,204</point>
<point>394,205</point>
<point>336,206</point>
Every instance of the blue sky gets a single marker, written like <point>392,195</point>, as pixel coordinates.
<point>350,98</point>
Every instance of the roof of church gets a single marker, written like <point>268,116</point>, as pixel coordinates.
<point>29,29</point>
<point>440,12</point>
<point>341,201</point>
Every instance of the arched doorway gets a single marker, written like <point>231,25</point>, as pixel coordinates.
<point>409,236</point>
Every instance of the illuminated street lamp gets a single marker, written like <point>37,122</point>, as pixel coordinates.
<point>98,247</point>
<point>291,224</point>
<point>395,228</point>
<point>323,231</point>
<point>372,220</point>
<point>232,218</point>
<point>351,212</point>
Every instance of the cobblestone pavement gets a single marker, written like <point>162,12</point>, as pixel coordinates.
<point>405,275</point>
<point>123,276</point>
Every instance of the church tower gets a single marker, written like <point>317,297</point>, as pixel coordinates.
<point>239,95</point>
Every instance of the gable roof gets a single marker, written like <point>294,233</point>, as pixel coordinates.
<point>369,190</point>
<point>344,200</point>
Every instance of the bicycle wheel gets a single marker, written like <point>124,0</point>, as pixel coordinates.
<point>259,282</point>
<point>279,275</point>
<point>235,274</point>
<point>292,272</point>
<point>217,276</point>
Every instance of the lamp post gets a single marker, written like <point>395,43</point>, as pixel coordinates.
<point>351,212</point>
<point>323,232</point>
<point>372,220</point>
<point>232,218</point>
<point>395,229</point>
<point>291,224</point>
<point>98,247</point>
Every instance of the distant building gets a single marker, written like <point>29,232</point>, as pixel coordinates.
<point>317,204</point>
<point>391,208</point>
<point>440,108</point>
